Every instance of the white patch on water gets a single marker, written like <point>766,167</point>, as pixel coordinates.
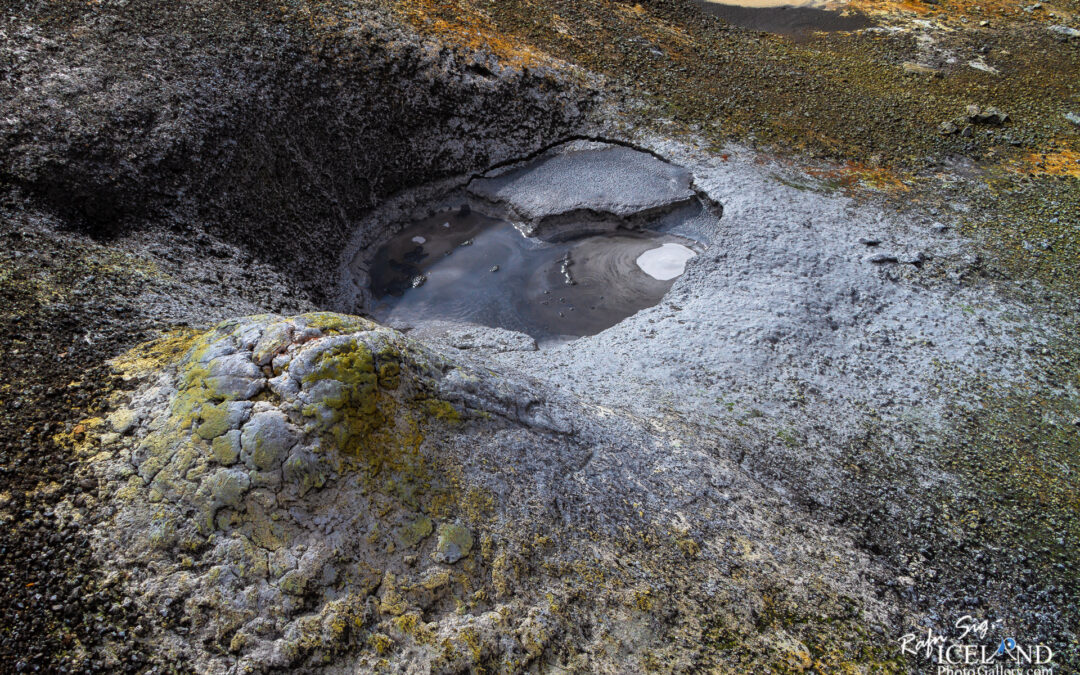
<point>446,224</point>
<point>418,240</point>
<point>665,262</point>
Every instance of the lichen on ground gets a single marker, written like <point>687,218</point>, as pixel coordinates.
<point>318,413</point>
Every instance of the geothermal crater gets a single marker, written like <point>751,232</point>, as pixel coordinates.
<point>782,439</point>
<point>558,247</point>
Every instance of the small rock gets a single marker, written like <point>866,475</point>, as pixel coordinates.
<point>912,68</point>
<point>280,361</point>
<point>226,449</point>
<point>234,377</point>
<point>915,258</point>
<point>494,268</point>
<point>979,64</point>
<point>869,241</point>
<point>1064,31</point>
<point>948,128</point>
<point>413,533</point>
<point>284,385</point>
<point>121,421</point>
<point>995,116</point>
<point>294,582</point>
<point>274,340</point>
<point>266,439</point>
<point>455,542</point>
<point>1073,117</point>
<point>227,486</point>
<point>990,115</point>
<point>215,421</point>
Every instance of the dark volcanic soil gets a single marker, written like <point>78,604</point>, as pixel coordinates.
<point>49,591</point>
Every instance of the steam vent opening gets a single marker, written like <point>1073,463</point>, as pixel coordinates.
<point>559,247</point>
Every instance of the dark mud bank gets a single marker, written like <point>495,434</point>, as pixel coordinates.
<point>198,118</point>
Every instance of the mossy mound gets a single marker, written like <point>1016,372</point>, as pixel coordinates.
<point>322,491</point>
<point>242,440</point>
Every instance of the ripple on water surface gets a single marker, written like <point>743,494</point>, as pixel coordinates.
<point>462,265</point>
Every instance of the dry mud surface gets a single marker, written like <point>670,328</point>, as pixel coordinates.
<point>854,416</point>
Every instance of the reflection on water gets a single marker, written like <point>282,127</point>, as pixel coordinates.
<point>797,19</point>
<point>462,265</point>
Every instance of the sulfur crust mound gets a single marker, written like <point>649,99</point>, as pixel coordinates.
<point>322,491</point>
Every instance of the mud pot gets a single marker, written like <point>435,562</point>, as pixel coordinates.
<point>558,248</point>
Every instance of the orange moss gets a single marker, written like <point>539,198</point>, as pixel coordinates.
<point>953,13</point>
<point>855,175</point>
<point>458,22</point>
<point>883,7</point>
<point>1056,162</point>
<point>651,27</point>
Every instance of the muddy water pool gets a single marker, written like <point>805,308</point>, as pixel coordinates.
<point>462,265</point>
